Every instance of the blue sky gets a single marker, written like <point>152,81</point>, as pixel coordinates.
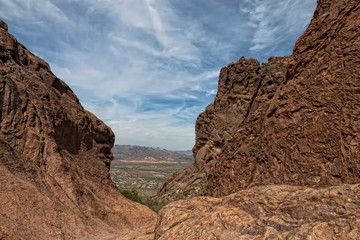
<point>147,68</point>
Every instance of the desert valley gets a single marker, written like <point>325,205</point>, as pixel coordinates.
<point>276,155</point>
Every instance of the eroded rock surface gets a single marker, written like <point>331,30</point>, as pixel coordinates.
<point>54,158</point>
<point>293,120</point>
<point>244,87</point>
<point>291,168</point>
<point>309,135</point>
<point>266,212</point>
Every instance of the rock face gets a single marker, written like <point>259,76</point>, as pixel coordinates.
<point>309,134</point>
<point>54,158</point>
<point>266,212</point>
<point>300,128</point>
<point>293,120</point>
<point>244,87</point>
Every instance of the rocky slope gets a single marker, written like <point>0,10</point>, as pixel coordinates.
<point>266,212</point>
<point>305,134</point>
<point>54,158</point>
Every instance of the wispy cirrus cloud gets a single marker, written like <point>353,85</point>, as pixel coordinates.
<point>274,23</point>
<point>147,67</point>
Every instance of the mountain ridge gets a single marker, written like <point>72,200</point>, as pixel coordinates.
<point>141,152</point>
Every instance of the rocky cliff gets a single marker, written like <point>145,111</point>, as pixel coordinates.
<point>292,120</point>
<point>244,87</point>
<point>54,158</point>
<point>309,133</point>
<point>300,127</point>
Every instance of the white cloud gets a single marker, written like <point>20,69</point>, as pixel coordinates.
<point>28,10</point>
<point>149,67</point>
<point>276,21</point>
<point>157,128</point>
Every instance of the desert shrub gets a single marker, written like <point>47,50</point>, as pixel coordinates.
<point>151,202</point>
<point>266,69</point>
<point>132,195</point>
<point>155,204</point>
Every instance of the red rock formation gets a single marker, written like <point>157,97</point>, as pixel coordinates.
<point>309,134</point>
<point>243,87</point>
<point>306,136</point>
<point>54,157</point>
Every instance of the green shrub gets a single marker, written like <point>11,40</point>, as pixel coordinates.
<point>132,195</point>
<point>266,69</point>
<point>152,202</point>
<point>155,204</point>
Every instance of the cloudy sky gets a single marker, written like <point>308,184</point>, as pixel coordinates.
<point>147,68</point>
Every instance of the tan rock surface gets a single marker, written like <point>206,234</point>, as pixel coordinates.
<point>266,212</point>
<point>54,158</point>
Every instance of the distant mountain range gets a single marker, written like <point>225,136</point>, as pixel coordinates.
<point>134,152</point>
<point>186,152</point>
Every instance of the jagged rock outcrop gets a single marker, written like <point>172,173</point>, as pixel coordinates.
<point>271,143</point>
<point>244,87</point>
<point>307,136</point>
<point>54,158</point>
